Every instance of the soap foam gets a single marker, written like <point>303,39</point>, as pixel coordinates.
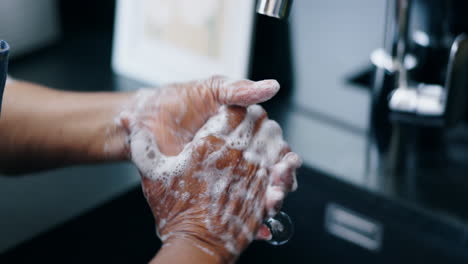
<point>185,196</point>
<point>152,163</point>
<point>204,249</point>
<point>262,149</point>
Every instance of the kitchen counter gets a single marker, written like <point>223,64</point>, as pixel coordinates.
<point>326,121</point>
<point>122,231</point>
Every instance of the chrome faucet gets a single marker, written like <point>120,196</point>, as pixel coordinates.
<point>417,34</point>
<point>274,8</point>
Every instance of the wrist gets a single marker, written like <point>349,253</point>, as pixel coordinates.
<point>110,142</point>
<point>198,250</point>
<point>115,144</point>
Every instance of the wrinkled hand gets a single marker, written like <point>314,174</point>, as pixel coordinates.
<point>217,191</point>
<point>176,112</point>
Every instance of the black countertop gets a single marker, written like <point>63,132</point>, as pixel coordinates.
<point>122,231</point>
<point>333,145</point>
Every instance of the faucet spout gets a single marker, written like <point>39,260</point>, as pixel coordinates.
<point>274,8</point>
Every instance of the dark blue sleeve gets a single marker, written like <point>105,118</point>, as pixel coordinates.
<point>4,48</point>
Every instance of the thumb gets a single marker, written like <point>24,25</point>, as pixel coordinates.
<point>244,92</point>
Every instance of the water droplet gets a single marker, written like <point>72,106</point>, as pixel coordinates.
<point>281,228</point>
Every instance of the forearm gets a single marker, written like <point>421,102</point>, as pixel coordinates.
<point>41,128</point>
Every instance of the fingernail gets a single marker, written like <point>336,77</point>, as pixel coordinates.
<point>294,158</point>
<point>268,84</point>
<point>264,233</point>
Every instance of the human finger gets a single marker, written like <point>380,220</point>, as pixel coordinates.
<point>243,92</point>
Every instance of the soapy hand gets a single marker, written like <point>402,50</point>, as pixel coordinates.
<point>176,112</point>
<point>218,190</point>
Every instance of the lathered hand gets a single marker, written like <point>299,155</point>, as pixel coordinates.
<point>223,184</point>
<point>176,112</point>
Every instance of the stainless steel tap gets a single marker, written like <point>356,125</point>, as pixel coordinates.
<point>274,8</point>
<point>419,44</point>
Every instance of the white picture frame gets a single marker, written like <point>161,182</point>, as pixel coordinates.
<point>148,49</point>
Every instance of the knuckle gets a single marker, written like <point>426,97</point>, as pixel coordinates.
<point>216,80</point>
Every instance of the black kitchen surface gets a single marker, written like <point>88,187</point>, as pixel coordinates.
<point>122,231</point>
<point>421,217</point>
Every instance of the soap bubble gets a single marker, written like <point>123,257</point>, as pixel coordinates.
<point>281,228</point>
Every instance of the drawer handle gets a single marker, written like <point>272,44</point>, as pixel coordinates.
<point>353,227</point>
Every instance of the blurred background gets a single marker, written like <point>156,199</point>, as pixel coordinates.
<point>66,45</point>
<point>385,157</point>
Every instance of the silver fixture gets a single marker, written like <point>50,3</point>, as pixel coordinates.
<point>274,8</point>
<point>418,98</point>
